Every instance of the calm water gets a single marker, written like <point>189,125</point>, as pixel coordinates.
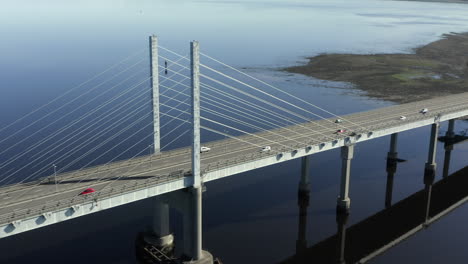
<point>46,49</point>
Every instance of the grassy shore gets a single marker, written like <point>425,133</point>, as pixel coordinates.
<point>439,68</point>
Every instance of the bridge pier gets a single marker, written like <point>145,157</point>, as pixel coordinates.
<point>448,152</point>
<point>451,127</point>
<point>344,202</point>
<point>193,229</point>
<point>392,153</point>
<point>391,169</point>
<point>431,164</point>
<point>448,146</point>
<point>304,183</point>
<point>163,237</point>
<point>303,195</point>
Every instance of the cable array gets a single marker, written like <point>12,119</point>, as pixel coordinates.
<point>112,120</point>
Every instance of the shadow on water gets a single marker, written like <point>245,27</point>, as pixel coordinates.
<point>376,234</point>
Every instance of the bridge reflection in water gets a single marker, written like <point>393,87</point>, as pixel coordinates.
<point>379,232</point>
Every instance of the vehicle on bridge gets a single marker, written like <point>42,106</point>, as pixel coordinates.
<point>87,191</point>
<point>266,148</point>
<point>204,149</point>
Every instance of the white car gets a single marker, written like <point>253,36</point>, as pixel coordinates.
<point>402,117</point>
<point>338,121</point>
<point>204,149</point>
<point>266,148</point>
<point>423,111</point>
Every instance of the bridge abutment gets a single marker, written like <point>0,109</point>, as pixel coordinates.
<point>343,204</point>
<point>431,164</point>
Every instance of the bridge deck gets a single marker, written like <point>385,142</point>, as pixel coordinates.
<point>157,174</point>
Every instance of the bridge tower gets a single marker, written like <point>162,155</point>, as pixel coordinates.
<point>154,67</point>
<point>193,250</point>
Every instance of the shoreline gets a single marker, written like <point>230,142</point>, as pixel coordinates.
<point>436,69</point>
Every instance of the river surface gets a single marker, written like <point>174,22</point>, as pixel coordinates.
<point>48,47</point>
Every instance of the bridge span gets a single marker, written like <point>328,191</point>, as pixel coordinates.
<point>169,171</point>
<point>175,178</point>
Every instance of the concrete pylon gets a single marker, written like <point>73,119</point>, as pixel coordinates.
<point>431,164</point>
<point>163,236</point>
<point>154,67</point>
<point>303,202</point>
<point>193,217</point>
<point>448,153</point>
<point>391,169</point>
<point>448,146</point>
<point>451,127</point>
<point>343,203</point>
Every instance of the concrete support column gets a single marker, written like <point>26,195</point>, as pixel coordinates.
<point>161,224</point>
<point>192,225</point>
<point>391,169</point>
<point>344,202</point>
<point>431,164</point>
<point>392,153</point>
<point>451,127</point>
<point>304,183</point>
<point>154,67</point>
<point>303,202</point>
<point>447,156</point>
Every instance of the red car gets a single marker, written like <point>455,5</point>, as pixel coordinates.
<point>339,131</point>
<point>87,191</point>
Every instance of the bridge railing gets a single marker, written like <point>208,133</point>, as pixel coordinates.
<point>77,200</point>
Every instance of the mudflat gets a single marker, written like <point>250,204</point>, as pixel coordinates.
<point>437,69</point>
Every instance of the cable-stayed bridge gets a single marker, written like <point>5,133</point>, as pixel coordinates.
<point>114,133</point>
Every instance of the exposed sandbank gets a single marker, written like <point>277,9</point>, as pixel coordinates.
<point>437,69</point>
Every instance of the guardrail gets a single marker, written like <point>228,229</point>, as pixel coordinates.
<point>70,202</point>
